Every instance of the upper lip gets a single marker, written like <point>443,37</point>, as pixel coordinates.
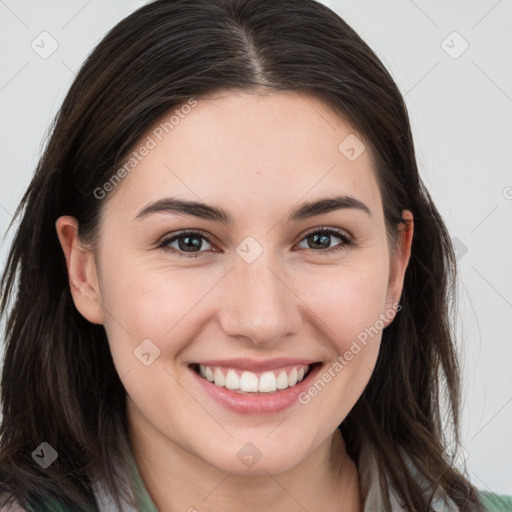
<point>256,365</point>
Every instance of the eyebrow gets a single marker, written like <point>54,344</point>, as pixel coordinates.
<point>212,213</point>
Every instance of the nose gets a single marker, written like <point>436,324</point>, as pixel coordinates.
<point>259,303</point>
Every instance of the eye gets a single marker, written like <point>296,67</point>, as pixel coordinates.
<point>319,238</point>
<point>187,242</point>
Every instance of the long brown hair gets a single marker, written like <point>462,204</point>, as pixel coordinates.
<point>59,383</point>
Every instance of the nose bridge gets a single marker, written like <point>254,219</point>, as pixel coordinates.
<point>261,306</point>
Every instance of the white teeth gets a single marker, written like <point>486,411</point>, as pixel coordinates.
<point>248,382</point>
<point>209,374</point>
<point>218,377</point>
<point>292,378</point>
<point>232,380</point>
<point>268,382</point>
<point>282,380</point>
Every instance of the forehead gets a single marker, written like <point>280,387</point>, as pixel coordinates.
<point>251,151</point>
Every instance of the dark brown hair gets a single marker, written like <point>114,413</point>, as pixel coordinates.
<point>59,383</point>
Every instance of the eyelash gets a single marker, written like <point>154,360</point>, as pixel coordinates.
<point>346,241</point>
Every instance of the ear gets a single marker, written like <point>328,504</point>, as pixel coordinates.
<point>82,271</point>
<point>398,263</point>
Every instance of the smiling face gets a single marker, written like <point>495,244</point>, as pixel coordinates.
<point>265,292</point>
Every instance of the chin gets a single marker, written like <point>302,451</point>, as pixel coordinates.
<point>259,455</point>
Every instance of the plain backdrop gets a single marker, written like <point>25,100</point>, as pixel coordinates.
<point>452,60</point>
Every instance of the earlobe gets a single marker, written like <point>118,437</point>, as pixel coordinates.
<point>82,271</point>
<point>400,260</point>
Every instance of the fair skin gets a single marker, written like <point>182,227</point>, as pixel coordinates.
<point>258,157</point>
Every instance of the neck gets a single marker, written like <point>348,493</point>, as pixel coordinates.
<point>179,480</point>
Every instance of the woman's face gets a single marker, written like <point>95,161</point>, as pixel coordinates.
<point>262,295</point>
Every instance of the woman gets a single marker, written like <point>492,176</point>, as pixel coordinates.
<point>180,338</point>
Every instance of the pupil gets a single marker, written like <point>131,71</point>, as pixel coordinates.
<point>186,246</point>
<point>322,239</point>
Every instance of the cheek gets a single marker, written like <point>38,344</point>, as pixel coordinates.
<point>351,309</point>
<point>346,301</point>
<point>158,303</point>
<point>154,308</point>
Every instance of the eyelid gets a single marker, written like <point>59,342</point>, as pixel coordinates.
<point>173,234</point>
<point>338,231</point>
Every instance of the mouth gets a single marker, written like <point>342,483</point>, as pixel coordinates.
<point>244,382</point>
<point>256,391</point>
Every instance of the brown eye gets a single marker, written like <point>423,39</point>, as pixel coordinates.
<point>188,244</point>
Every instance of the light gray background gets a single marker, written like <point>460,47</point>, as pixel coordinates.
<point>461,115</point>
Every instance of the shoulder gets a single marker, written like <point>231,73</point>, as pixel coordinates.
<point>495,502</point>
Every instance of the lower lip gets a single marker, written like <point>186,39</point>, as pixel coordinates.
<point>264,403</point>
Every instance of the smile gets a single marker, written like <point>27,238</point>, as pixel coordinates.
<point>255,387</point>
<point>254,382</point>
